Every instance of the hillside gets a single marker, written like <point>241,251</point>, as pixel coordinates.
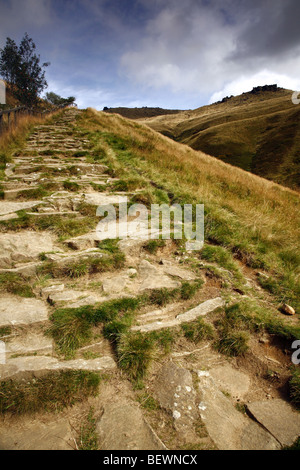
<point>138,343</point>
<point>140,113</point>
<point>13,102</point>
<point>257,131</point>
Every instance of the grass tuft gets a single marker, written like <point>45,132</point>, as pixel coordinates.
<point>16,284</point>
<point>294,385</point>
<point>136,351</point>
<point>233,343</point>
<point>198,331</point>
<point>51,393</point>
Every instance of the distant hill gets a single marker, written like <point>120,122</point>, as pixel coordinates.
<point>257,131</point>
<point>140,113</point>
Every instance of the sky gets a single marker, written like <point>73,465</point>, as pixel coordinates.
<point>175,54</point>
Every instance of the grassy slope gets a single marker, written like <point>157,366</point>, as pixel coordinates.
<point>14,138</point>
<point>258,133</point>
<point>257,220</point>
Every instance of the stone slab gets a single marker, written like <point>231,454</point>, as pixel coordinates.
<point>231,380</point>
<point>25,245</point>
<point>33,435</point>
<point>28,344</point>
<point>19,311</point>
<point>7,207</point>
<point>201,310</point>
<point>122,427</point>
<point>279,418</point>
<point>191,315</point>
<point>174,390</point>
<point>36,366</point>
<point>229,428</point>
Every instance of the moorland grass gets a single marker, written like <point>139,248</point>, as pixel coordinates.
<point>51,393</point>
<point>255,219</point>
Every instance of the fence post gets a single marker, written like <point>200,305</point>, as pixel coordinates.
<point>1,122</point>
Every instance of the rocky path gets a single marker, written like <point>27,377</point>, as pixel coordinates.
<point>195,388</point>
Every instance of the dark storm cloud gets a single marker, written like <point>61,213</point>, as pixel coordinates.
<point>171,53</point>
<point>271,27</point>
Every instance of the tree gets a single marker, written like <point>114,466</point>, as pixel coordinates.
<point>10,62</point>
<point>21,67</point>
<point>57,100</point>
<point>31,77</point>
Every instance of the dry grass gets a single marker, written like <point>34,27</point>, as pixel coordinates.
<point>258,220</point>
<point>259,133</point>
<point>257,201</point>
<point>13,139</point>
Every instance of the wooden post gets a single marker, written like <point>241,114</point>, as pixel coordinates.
<point>1,122</point>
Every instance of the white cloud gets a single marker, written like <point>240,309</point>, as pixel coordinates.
<point>183,53</point>
<point>244,84</point>
<point>193,48</point>
<point>85,96</point>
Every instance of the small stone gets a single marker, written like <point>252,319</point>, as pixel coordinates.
<point>53,289</point>
<point>288,310</point>
<point>176,415</point>
<point>203,373</point>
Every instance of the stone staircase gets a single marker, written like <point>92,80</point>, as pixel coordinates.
<point>52,155</point>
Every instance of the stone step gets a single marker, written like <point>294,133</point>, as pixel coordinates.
<point>26,270</point>
<point>35,366</point>
<point>61,150</point>
<point>130,432</point>
<point>54,434</point>
<point>17,311</point>
<point>24,247</point>
<point>27,343</point>
<point>201,310</point>
<point>8,207</point>
<point>279,418</point>
<point>13,194</point>
<point>67,296</point>
<point>62,258</point>
<point>229,428</point>
<point>53,212</point>
<point>3,218</point>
